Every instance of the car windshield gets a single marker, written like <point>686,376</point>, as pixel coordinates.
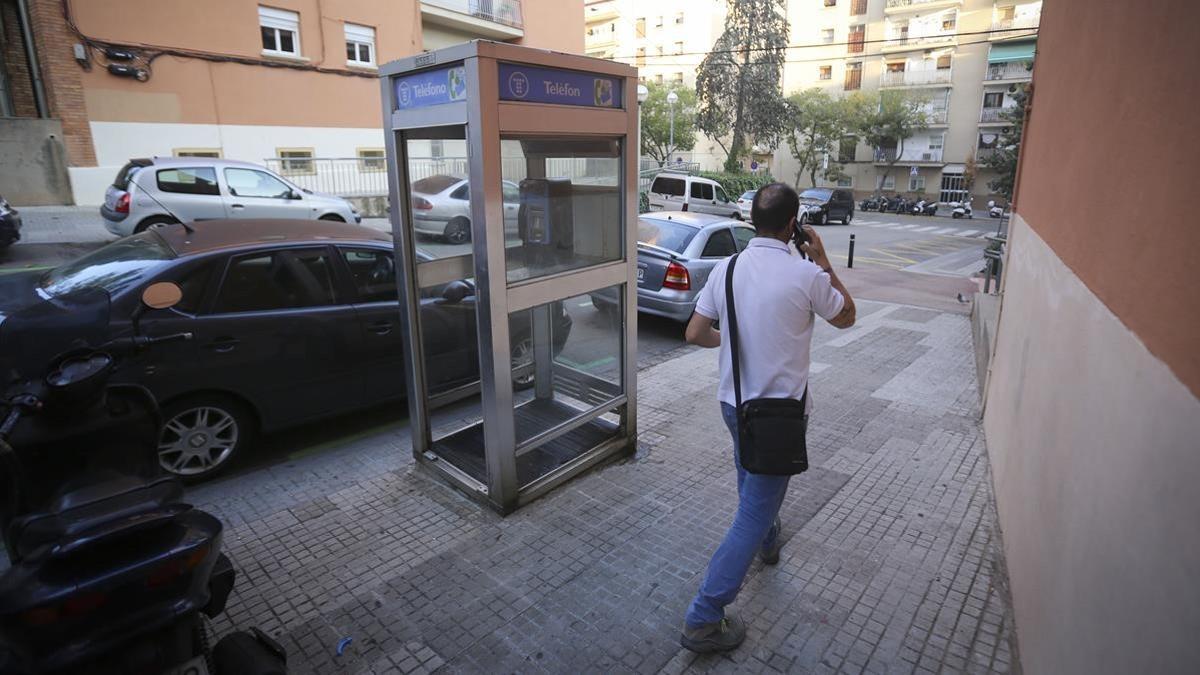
<point>112,268</point>
<point>816,194</point>
<point>665,234</point>
<point>749,194</point>
<point>434,184</point>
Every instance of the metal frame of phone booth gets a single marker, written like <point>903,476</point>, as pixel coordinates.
<point>555,132</point>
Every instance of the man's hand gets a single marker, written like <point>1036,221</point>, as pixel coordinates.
<point>814,247</point>
<point>700,331</point>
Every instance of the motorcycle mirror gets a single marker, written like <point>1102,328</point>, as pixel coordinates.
<point>162,295</point>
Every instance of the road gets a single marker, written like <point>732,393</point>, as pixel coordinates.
<point>926,244</point>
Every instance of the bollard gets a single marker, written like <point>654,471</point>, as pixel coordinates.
<point>850,257</point>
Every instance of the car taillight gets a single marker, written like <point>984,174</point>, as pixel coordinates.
<point>74,607</point>
<point>123,203</point>
<point>168,572</point>
<point>677,278</point>
<point>422,204</point>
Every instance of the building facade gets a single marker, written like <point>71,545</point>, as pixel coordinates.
<point>294,80</point>
<point>1092,407</point>
<point>964,57</point>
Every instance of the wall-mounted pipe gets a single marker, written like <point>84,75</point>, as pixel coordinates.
<point>35,70</point>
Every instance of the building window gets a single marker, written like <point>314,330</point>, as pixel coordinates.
<point>678,47</point>
<point>658,20</point>
<point>825,72</point>
<point>845,181</point>
<point>858,7</point>
<point>679,17</point>
<point>677,78</point>
<point>639,27</point>
<point>896,67</point>
<point>889,183</point>
<point>659,50</point>
<point>846,148</point>
<point>1006,13</point>
<point>826,35</point>
<point>949,22</point>
<point>831,3</point>
<point>214,153</point>
<point>280,31</point>
<point>360,45</point>
<point>943,62</point>
<point>853,76</point>
<point>658,79</point>
<point>935,141</point>
<point>858,37</point>
<point>916,183</point>
<point>371,159</point>
<point>641,56</point>
<point>437,148</point>
<point>993,99</point>
<point>296,161</point>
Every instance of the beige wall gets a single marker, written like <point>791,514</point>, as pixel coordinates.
<point>1093,446</point>
<point>553,24</point>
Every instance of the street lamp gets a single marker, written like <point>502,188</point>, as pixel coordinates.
<point>672,99</point>
<point>642,94</point>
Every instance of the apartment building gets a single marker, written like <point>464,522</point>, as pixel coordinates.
<point>665,40</point>
<point>966,57</point>
<point>242,79</point>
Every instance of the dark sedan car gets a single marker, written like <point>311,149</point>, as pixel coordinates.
<point>10,224</point>
<point>293,321</point>
<point>826,204</point>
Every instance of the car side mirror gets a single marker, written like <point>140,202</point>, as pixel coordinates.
<point>159,295</point>
<point>233,192</point>
<point>292,194</point>
<point>455,291</point>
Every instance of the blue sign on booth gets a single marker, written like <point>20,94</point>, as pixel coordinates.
<point>431,87</point>
<point>561,87</point>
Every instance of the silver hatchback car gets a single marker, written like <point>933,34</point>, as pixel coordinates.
<point>151,192</point>
<point>677,251</point>
<point>442,207</point>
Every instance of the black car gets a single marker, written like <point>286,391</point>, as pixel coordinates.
<point>10,224</point>
<point>826,204</point>
<point>293,321</point>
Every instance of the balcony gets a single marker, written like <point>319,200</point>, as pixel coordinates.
<point>995,115</point>
<point>1010,71</point>
<point>601,12</point>
<point>899,6</point>
<point>902,42</point>
<point>1011,27</point>
<point>493,19</point>
<point>910,156</point>
<point>937,116</point>
<point>984,153</point>
<point>915,78</point>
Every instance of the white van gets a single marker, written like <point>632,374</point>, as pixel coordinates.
<point>681,192</point>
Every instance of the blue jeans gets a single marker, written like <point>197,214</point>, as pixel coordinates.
<point>753,529</point>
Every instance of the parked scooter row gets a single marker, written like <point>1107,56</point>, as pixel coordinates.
<point>899,204</point>
<point>110,569</point>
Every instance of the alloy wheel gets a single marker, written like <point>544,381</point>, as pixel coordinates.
<point>197,440</point>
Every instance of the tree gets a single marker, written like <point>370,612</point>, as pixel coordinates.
<point>899,116</point>
<point>738,83</point>
<point>817,123</point>
<point>1003,159</point>
<point>656,122</point>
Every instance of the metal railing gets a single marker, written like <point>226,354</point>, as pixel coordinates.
<point>902,40</point>
<point>1027,21</point>
<point>507,12</point>
<point>910,155</point>
<point>906,3</point>
<point>1009,70</point>
<point>995,114</point>
<point>650,169</point>
<point>937,116</point>
<point>984,153</point>
<point>908,78</point>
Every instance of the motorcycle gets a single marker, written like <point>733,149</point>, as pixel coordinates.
<point>871,204</point>
<point>110,569</point>
<point>929,208</point>
<point>995,210</point>
<point>961,210</point>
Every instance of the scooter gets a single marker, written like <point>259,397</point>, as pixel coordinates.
<point>110,569</point>
<point>961,210</point>
<point>929,208</point>
<point>995,210</point>
<point>870,204</point>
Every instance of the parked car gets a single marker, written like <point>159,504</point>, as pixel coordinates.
<point>681,192</point>
<point>442,207</point>
<point>826,204</point>
<point>676,252</point>
<point>293,321</point>
<point>10,224</point>
<point>745,202</point>
<point>163,190</point>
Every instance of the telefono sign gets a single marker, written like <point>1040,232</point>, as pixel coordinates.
<point>431,87</point>
<point>561,87</point>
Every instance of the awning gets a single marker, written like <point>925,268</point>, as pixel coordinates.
<point>1012,51</point>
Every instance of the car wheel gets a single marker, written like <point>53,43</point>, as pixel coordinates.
<point>849,217</point>
<point>333,217</point>
<point>201,435</point>
<point>154,221</point>
<point>818,219</point>
<point>736,216</point>
<point>458,231</point>
<point>522,356</point>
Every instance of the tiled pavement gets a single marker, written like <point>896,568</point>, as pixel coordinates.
<point>892,559</point>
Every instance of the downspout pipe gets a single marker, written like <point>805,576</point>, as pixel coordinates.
<point>35,70</point>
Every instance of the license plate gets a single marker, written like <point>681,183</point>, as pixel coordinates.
<point>196,666</point>
<point>641,274</point>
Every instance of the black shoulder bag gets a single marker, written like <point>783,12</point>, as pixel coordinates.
<point>771,431</point>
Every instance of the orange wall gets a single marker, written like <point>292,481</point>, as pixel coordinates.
<point>1108,175</point>
<point>554,24</point>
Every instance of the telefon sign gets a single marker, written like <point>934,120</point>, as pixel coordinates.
<point>431,87</point>
<point>561,87</point>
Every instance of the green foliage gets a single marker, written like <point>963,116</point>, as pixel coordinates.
<point>1004,160</point>
<point>736,182</point>
<point>738,82</point>
<point>643,202</point>
<point>817,122</point>
<point>899,116</point>
<point>656,122</point>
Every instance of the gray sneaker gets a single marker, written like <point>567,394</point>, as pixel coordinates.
<point>770,556</point>
<point>721,636</point>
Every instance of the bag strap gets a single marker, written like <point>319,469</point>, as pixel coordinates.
<point>731,319</point>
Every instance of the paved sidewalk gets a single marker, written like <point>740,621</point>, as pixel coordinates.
<point>891,564</point>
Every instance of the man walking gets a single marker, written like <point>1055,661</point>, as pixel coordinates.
<point>777,295</point>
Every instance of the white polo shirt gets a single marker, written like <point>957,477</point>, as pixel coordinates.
<point>777,294</point>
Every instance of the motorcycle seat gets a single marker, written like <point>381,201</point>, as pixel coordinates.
<point>103,501</point>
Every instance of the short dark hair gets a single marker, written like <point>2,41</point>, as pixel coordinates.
<point>774,206</point>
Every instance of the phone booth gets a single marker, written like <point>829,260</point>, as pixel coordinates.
<point>513,206</point>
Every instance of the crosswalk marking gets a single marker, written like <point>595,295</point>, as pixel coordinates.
<point>924,229</point>
<point>906,227</point>
<point>967,233</point>
<point>944,230</point>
